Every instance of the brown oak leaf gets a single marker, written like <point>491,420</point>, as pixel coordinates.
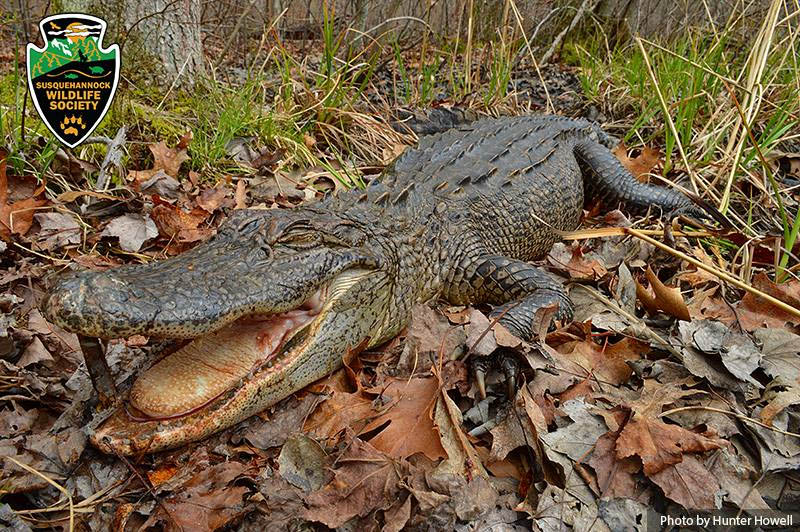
<point>641,165</point>
<point>165,159</point>
<point>408,419</point>
<point>174,222</point>
<point>658,444</point>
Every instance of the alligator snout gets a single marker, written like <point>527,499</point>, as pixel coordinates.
<point>98,304</point>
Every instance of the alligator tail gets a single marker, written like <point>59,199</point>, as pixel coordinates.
<point>703,209</point>
<point>432,121</point>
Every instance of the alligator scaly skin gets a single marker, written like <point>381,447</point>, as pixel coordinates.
<point>472,204</point>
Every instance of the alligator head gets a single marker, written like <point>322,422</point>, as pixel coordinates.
<point>271,303</point>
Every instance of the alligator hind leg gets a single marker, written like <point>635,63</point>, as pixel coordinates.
<point>520,291</point>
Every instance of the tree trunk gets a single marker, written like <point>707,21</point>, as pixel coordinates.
<point>166,31</point>
<point>169,30</point>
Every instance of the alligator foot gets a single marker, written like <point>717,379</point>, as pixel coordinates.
<point>503,360</point>
<point>528,298</point>
<point>503,365</point>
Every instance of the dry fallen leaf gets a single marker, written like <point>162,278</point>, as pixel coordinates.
<point>658,444</point>
<point>641,165</point>
<point>17,217</point>
<point>780,351</point>
<point>165,159</point>
<point>34,353</point>
<point>207,501</point>
<point>240,197</point>
<point>71,195</point>
<point>779,402</point>
<point>397,516</point>
<point>462,456</point>
<point>576,439</point>
<point>429,338</point>
<point>57,230</point>
<point>303,463</point>
<point>212,198</point>
<point>342,410</point>
<point>755,312</point>
<point>174,222</point>
<point>736,351</point>
<point>133,230</point>
<point>390,153</point>
<point>480,336</point>
<point>688,483</point>
<point>162,473</point>
<point>407,421</point>
<point>608,362</point>
<point>365,480</point>
<point>663,298</point>
<point>615,476</point>
<point>575,262</point>
<point>162,184</point>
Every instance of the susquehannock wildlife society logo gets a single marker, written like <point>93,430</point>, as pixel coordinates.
<point>72,78</point>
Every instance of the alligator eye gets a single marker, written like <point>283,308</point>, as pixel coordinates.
<point>250,226</point>
<point>300,239</point>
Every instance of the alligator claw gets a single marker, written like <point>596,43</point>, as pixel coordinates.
<point>480,366</point>
<point>510,368</point>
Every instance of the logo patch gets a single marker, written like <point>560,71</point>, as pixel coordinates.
<point>72,79</point>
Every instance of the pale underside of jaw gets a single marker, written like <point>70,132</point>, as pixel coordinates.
<point>207,367</point>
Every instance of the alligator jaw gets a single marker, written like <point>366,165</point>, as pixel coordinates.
<point>203,370</point>
<point>306,354</point>
<point>155,419</point>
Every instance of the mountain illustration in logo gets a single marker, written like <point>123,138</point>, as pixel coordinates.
<point>58,55</point>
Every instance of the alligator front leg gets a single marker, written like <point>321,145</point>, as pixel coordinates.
<point>520,291</point>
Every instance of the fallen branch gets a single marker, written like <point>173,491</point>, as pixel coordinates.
<point>113,156</point>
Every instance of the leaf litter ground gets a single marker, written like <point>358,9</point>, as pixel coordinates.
<point>665,392</point>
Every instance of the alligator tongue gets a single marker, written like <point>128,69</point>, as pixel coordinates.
<point>209,366</point>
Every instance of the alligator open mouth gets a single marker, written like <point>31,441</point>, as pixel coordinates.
<point>202,371</point>
<point>214,381</point>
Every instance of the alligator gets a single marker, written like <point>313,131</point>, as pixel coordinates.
<point>277,297</point>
